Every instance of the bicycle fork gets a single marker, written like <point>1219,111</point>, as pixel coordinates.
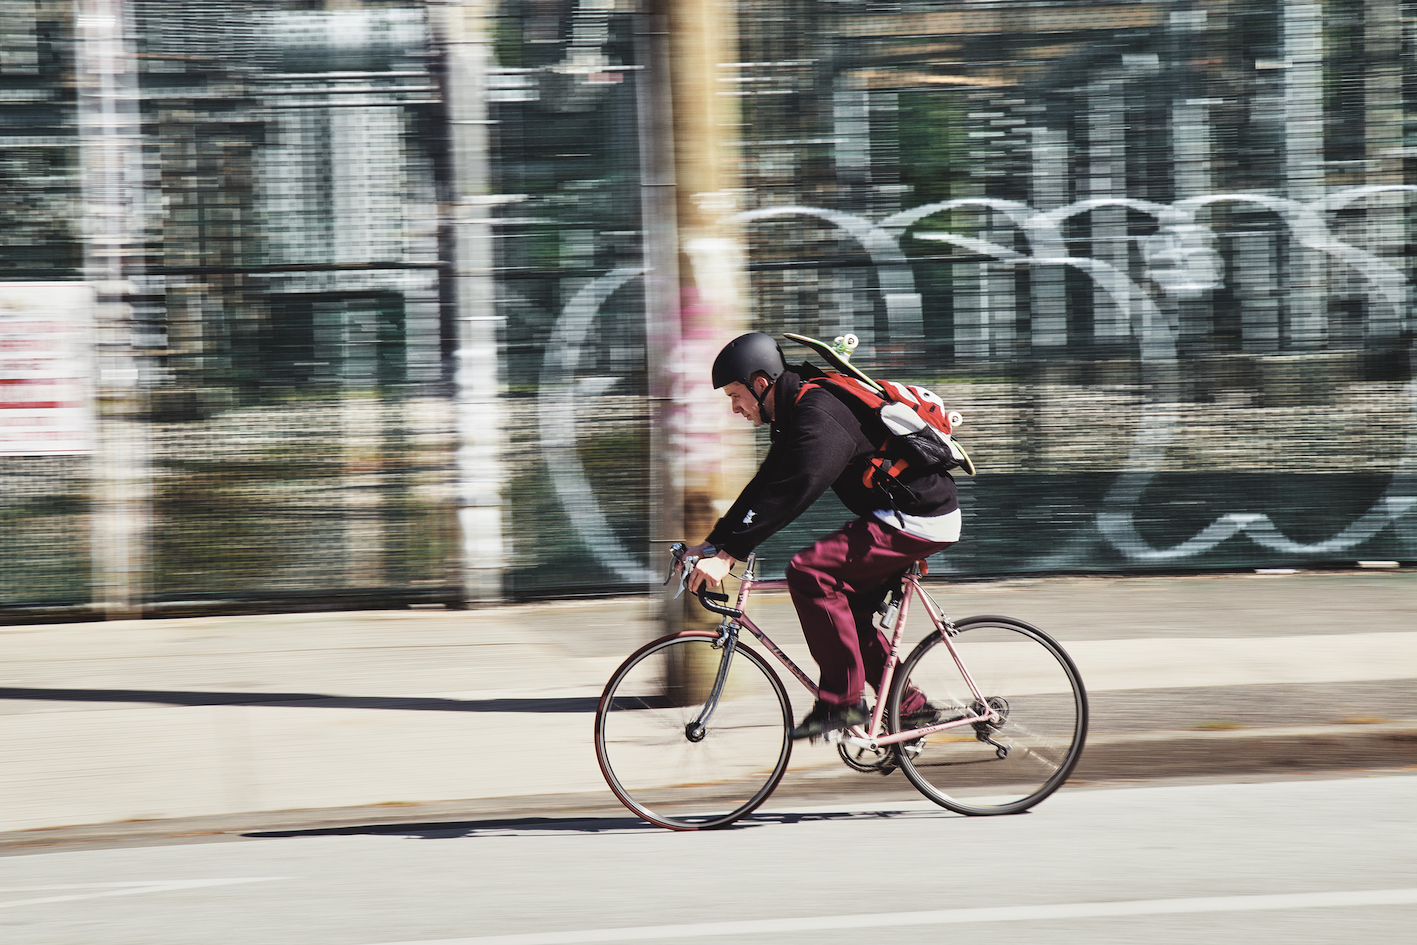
<point>728,640</point>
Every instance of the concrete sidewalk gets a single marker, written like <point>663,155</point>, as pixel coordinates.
<point>190,717</point>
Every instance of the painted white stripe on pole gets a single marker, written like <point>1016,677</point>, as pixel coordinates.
<point>1076,910</point>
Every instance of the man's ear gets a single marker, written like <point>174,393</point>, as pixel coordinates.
<point>761,385</point>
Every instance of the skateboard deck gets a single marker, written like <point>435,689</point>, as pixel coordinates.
<point>838,355</point>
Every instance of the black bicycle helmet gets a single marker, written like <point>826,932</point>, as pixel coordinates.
<point>746,355</point>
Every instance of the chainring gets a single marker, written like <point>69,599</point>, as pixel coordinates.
<point>880,761</point>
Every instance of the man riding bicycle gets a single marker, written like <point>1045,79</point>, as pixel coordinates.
<point>821,439</point>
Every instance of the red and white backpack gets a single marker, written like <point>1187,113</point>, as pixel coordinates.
<point>919,429</point>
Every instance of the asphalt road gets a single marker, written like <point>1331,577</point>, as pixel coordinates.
<point>1296,860</point>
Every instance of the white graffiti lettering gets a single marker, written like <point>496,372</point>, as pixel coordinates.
<point>1180,258</point>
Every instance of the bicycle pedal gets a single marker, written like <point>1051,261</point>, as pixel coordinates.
<point>835,736</point>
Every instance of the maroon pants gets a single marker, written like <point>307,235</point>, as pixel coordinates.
<point>836,584</point>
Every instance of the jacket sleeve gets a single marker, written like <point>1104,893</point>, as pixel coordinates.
<point>799,467</point>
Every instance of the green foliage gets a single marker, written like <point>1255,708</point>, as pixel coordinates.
<point>933,145</point>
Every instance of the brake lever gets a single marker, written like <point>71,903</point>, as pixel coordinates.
<point>688,563</point>
<point>685,565</point>
<point>676,553</point>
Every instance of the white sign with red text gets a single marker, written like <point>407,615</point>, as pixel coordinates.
<point>46,385</point>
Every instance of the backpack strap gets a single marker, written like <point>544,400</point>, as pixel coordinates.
<point>881,466</point>
<point>847,385</point>
<point>851,387</point>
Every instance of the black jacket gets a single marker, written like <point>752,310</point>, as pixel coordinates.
<point>823,440</point>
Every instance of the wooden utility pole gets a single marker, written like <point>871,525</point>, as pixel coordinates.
<point>712,298</point>
<point>660,227</point>
<point>694,293</point>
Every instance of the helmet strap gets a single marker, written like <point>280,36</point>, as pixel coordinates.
<point>760,398</point>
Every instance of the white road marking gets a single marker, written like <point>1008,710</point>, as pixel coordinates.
<point>1075,910</point>
<point>105,890</point>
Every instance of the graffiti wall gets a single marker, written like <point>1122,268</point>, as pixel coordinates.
<point>1159,255</point>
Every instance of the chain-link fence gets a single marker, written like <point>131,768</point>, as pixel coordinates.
<point>1158,253</point>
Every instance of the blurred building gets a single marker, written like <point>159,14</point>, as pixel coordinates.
<point>254,189</point>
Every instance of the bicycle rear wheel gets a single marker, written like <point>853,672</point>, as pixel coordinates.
<point>1003,767</point>
<point>666,772</point>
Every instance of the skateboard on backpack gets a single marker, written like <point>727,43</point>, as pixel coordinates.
<point>838,356</point>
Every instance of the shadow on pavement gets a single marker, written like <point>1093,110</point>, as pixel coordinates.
<point>570,824</point>
<point>448,830</point>
<point>303,700</point>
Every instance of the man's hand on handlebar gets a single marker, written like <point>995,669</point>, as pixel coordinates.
<point>697,551</point>
<point>709,571</point>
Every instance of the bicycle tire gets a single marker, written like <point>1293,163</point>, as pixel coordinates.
<point>1025,673</point>
<point>650,761</point>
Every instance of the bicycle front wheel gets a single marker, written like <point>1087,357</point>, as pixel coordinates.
<point>657,759</point>
<point>1008,765</point>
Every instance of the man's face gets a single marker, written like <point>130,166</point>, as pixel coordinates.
<point>744,403</point>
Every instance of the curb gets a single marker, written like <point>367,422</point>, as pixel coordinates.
<point>1248,751</point>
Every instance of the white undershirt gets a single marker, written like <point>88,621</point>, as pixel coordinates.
<point>931,528</point>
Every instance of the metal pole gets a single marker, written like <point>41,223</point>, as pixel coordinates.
<point>110,137</point>
<point>461,27</point>
<point>1304,167</point>
<point>1383,128</point>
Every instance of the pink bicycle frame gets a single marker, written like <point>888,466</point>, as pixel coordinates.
<point>872,738</point>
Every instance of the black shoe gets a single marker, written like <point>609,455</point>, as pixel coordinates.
<point>826,717</point>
